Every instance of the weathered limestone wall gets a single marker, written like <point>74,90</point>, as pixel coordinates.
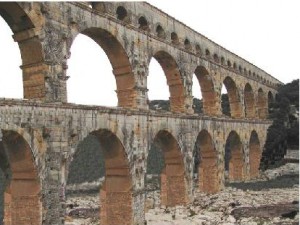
<point>55,130</point>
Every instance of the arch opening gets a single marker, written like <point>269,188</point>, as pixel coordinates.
<point>225,102</point>
<point>197,96</point>
<point>11,82</point>
<point>143,23</point>
<point>158,91</point>
<point>233,98</point>
<point>254,154</point>
<point>30,83</point>
<point>208,94</point>
<point>165,163</point>
<point>234,158</point>
<point>118,89</point>
<point>174,38</point>
<point>121,13</point>
<point>249,101</point>
<point>160,32</point>
<point>174,81</point>
<point>216,58</point>
<point>206,164</point>
<point>187,44</point>
<point>207,53</point>
<point>261,104</point>
<point>271,102</point>
<point>21,185</point>
<point>198,50</point>
<point>101,162</point>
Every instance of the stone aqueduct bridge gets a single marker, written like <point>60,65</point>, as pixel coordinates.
<point>38,136</point>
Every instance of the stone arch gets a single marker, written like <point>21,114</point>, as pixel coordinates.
<point>160,32</point>
<point>198,50</point>
<point>234,157</point>
<point>22,202</point>
<point>174,38</point>
<point>249,101</point>
<point>216,58</point>
<point>234,98</point>
<point>174,80</point>
<point>271,101</point>
<point>116,192</point>
<point>187,44</point>
<point>254,154</point>
<point>207,53</point>
<point>228,63</point>
<point>122,13</point>
<point>209,95</point>
<point>143,23</point>
<point>120,63</point>
<point>172,176</point>
<point>19,22</point>
<point>206,164</point>
<point>261,104</point>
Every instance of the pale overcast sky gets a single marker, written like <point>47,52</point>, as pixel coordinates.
<point>264,32</point>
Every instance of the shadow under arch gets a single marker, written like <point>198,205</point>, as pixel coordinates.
<point>172,173</point>
<point>234,97</point>
<point>206,163</point>
<point>116,191</point>
<point>209,95</point>
<point>234,157</point>
<point>174,80</point>
<point>30,50</point>
<point>249,101</point>
<point>22,184</point>
<point>120,63</point>
<point>255,154</point>
<point>271,101</point>
<point>261,104</point>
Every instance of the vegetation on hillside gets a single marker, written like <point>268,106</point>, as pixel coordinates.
<point>284,132</point>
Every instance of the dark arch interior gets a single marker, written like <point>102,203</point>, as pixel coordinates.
<point>160,32</point>
<point>205,163</point>
<point>207,53</point>
<point>216,58</point>
<point>187,44</point>
<point>254,154</point>
<point>249,101</point>
<point>20,184</point>
<point>271,102</point>
<point>174,38</point>
<point>121,13</point>
<point>261,104</point>
<point>234,160</point>
<point>165,164</point>
<point>143,23</point>
<point>101,159</point>
<point>198,50</point>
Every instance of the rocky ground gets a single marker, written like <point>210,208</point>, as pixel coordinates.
<point>271,199</point>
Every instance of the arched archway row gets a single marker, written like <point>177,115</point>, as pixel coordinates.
<point>247,98</point>
<point>219,135</point>
<point>45,47</point>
